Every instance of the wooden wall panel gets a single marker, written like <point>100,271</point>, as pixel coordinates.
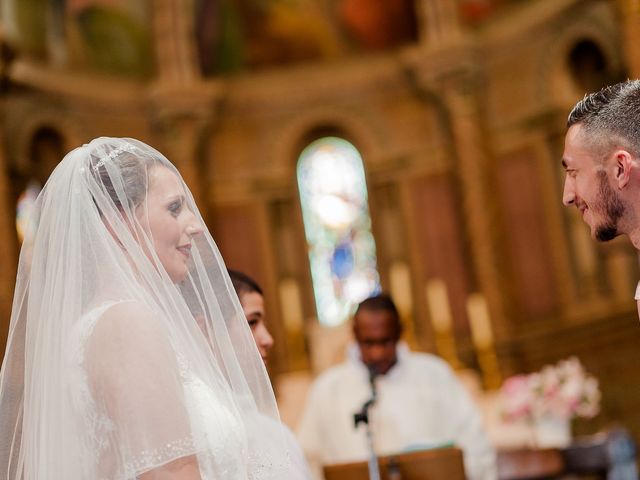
<point>439,231</point>
<point>242,241</point>
<point>526,242</point>
<point>235,229</point>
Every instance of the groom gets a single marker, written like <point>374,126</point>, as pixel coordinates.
<point>602,162</point>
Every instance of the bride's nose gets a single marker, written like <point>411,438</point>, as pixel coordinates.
<point>194,228</point>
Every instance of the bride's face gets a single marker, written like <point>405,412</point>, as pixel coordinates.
<point>169,222</point>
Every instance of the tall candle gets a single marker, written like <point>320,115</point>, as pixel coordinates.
<point>400,283</point>
<point>292,313</point>
<point>480,321</point>
<point>438,301</point>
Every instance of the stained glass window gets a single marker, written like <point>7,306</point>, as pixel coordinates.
<point>342,251</point>
<point>25,205</point>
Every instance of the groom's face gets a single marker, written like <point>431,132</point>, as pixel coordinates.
<point>587,186</point>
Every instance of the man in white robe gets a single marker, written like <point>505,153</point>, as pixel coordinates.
<point>419,404</point>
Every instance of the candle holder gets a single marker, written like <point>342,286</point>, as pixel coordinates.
<point>482,335</point>
<point>441,318</point>
<point>446,346</point>
<point>488,361</point>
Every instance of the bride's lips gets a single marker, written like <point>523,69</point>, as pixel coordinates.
<point>185,250</point>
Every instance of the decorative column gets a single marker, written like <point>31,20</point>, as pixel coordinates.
<point>461,99</point>
<point>630,19</point>
<point>180,118</point>
<point>8,234</point>
<point>182,103</point>
<point>8,253</point>
<point>438,22</point>
<point>444,71</point>
<point>174,40</point>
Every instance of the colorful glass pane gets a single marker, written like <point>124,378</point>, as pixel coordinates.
<point>342,251</point>
<point>24,208</point>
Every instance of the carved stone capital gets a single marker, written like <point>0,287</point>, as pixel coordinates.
<point>180,117</point>
<point>170,101</point>
<point>455,67</point>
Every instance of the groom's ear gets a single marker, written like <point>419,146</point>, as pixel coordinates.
<point>623,168</point>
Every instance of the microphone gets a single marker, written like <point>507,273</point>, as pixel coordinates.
<point>373,373</point>
<point>363,415</point>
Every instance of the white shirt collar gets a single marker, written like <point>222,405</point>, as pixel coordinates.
<point>402,353</point>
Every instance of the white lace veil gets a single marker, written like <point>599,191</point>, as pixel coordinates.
<point>111,368</point>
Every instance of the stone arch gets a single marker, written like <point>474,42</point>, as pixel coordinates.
<point>40,134</point>
<point>558,83</point>
<point>306,128</point>
<point>34,128</point>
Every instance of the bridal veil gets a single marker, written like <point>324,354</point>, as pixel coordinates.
<point>113,367</point>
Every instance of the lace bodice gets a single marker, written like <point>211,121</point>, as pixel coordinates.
<point>217,434</point>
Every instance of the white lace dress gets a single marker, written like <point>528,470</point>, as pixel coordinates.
<point>215,433</point>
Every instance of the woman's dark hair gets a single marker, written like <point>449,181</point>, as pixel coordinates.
<point>243,283</point>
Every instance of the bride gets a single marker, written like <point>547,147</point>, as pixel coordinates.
<point>128,354</point>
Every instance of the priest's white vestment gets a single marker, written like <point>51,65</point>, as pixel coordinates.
<point>420,403</point>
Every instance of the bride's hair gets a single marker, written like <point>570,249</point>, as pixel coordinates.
<point>134,167</point>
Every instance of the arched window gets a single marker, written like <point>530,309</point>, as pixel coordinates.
<point>46,149</point>
<point>24,209</point>
<point>342,252</point>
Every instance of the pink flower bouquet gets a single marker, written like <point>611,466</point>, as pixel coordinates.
<point>563,391</point>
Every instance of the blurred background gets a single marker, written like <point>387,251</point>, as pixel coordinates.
<point>341,147</point>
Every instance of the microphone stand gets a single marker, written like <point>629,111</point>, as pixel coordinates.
<point>363,417</point>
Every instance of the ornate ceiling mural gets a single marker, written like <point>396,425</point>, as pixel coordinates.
<point>112,36</point>
<point>234,35</point>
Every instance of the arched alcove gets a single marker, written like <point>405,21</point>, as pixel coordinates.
<point>44,150</point>
<point>588,66</point>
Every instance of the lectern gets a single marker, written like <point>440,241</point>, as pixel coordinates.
<point>437,464</point>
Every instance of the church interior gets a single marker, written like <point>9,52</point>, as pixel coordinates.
<point>441,125</point>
